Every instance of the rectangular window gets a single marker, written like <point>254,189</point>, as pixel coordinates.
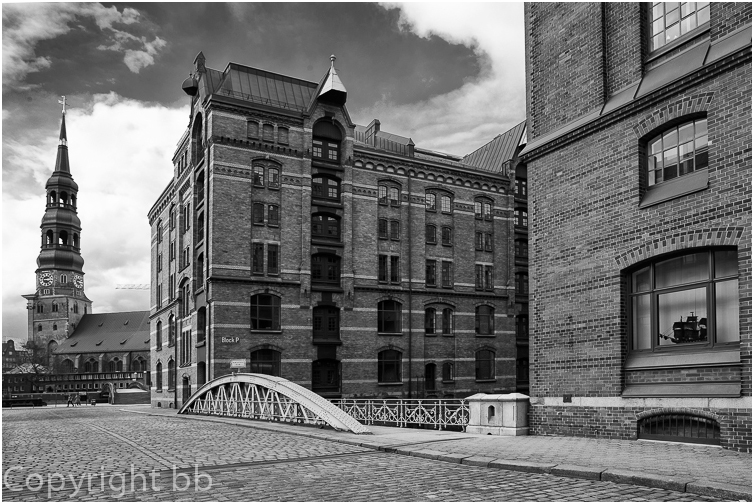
<point>382,195</point>
<point>159,262</point>
<point>258,176</point>
<point>479,276</point>
<point>478,209</point>
<point>488,242</point>
<point>394,194</point>
<point>430,274</point>
<point>489,278</point>
<point>447,236</point>
<point>317,149</point>
<point>273,215</point>
<point>272,259</point>
<point>395,269</point>
<point>382,229</point>
<point>273,178</point>
<point>487,211</point>
<point>172,251</point>
<point>479,240</point>
<point>430,202</point>
<point>382,273</point>
<point>268,132</point>
<point>252,129</point>
<point>446,204</point>
<point>332,151</point>
<point>257,258</point>
<point>258,214</point>
<point>447,274</point>
<point>431,233</point>
<point>395,230</point>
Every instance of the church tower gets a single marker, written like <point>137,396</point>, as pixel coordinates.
<point>59,301</point>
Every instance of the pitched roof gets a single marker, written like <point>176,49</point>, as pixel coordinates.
<point>492,155</point>
<point>27,368</point>
<point>108,332</point>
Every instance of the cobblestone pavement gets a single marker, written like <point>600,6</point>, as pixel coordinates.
<point>106,453</point>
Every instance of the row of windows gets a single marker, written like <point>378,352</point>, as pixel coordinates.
<point>265,315</point>
<point>268,132</point>
<point>53,199</point>
<point>257,258</point>
<point>114,365</point>
<point>273,215</point>
<point>54,307</point>
<point>389,366</point>
<point>63,238</point>
<point>272,179</point>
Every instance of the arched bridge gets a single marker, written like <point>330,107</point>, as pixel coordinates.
<point>265,397</point>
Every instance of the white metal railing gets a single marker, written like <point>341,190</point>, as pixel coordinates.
<point>437,413</point>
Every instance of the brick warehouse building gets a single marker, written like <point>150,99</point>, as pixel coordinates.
<point>341,257</point>
<point>639,171</point>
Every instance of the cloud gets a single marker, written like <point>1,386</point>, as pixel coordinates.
<point>25,25</point>
<point>464,119</point>
<point>122,163</point>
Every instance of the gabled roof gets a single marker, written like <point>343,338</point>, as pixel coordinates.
<point>27,368</point>
<point>108,332</point>
<point>491,156</point>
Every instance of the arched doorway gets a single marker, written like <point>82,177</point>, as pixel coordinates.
<point>186,387</point>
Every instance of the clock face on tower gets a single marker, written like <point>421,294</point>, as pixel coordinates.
<point>78,281</point>
<point>45,279</point>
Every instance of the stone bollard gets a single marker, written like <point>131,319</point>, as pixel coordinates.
<point>499,414</point>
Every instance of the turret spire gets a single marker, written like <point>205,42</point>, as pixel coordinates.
<point>61,163</point>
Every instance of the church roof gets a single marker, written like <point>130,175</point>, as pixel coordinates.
<point>108,332</point>
<point>491,156</point>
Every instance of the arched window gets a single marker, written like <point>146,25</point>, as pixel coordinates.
<point>49,238</point>
<point>430,231</point>
<point>389,193</point>
<point>115,365</point>
<point>171,330</point>
<point>158,335</point>
<point>197,139</point>
<point>430,201</point>
<point>63,198</point>
<point>200,271</point>
<point>137,365</point>
<point>265,361</point>
<point>91,366</point>
<point>485,320</point>
<point>67,366</point>
<point>325,187</point>
<point>483,209</point>
<point>282,135</point>
<point>677,151</point>
<point>325,226</point>
<point>273,178</point>
<point>326,323</point>
<point>63,238</point>
<point>326,138</point>
<point>688,299</point>
<point>158,375</point>
<point>430,370</point>
<point>447,372</point>
<point>485,365</point>
<point>54,327</point>
<point>446,204</point>
<point>430,315</point>
<point>73,201</point>
<point>159,231</point>
<point>268,132</point>
<point>54,306</point>
<point>63,279</point>
<point>389,366</point>
<point>39,328</point>
<point>265,312</point>
<point>325,268</point>
<point>53,198</point>
<point>200,187</point>
<point>76,240</point>
<point>389,315</point>
<point>171,374</point>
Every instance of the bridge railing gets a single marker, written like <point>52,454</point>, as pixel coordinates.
<point>440,414</point>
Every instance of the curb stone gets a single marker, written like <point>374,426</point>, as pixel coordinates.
<point>723,491</point>
<point>577,471</point>
<point>645,479</point>
<point>477,460</point>
<point>522,466</point>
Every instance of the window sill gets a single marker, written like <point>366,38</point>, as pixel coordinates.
<point>725,356</point>
<point>448,381</point>
<point>448,335</point>
<point>389,334</point>
<point>478,335</point>
<point>326,341</point>
<point>266,331</point>
<point>681,186</point>
<point>686,37</point>
<point>388,384</point>
<point>485,380</point>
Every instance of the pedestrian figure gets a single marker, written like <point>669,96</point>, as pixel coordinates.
<point>70,401</point>
<point>78,400</point>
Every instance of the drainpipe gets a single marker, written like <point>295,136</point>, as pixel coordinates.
<point>410,296</point>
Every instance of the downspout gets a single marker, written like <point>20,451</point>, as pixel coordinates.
<point>410,296</point>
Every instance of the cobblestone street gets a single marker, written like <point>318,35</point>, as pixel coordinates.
<point>105,453</point>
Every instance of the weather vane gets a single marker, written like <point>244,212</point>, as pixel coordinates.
<point>62,102</point>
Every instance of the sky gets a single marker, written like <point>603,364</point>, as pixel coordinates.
<point>448,75</point>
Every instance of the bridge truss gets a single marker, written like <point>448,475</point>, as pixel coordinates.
<point>264,397</point>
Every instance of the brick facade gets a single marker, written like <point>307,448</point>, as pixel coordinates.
<point>592,225</point>
<point>242,136</point>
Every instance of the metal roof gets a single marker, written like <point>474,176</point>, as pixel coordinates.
<point>109,332</point>
<point>491,156</point>
<point>261,86</point>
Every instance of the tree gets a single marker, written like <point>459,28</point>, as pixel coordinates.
<point>33,363</point>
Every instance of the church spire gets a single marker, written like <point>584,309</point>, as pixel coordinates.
<point>61,163</point>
